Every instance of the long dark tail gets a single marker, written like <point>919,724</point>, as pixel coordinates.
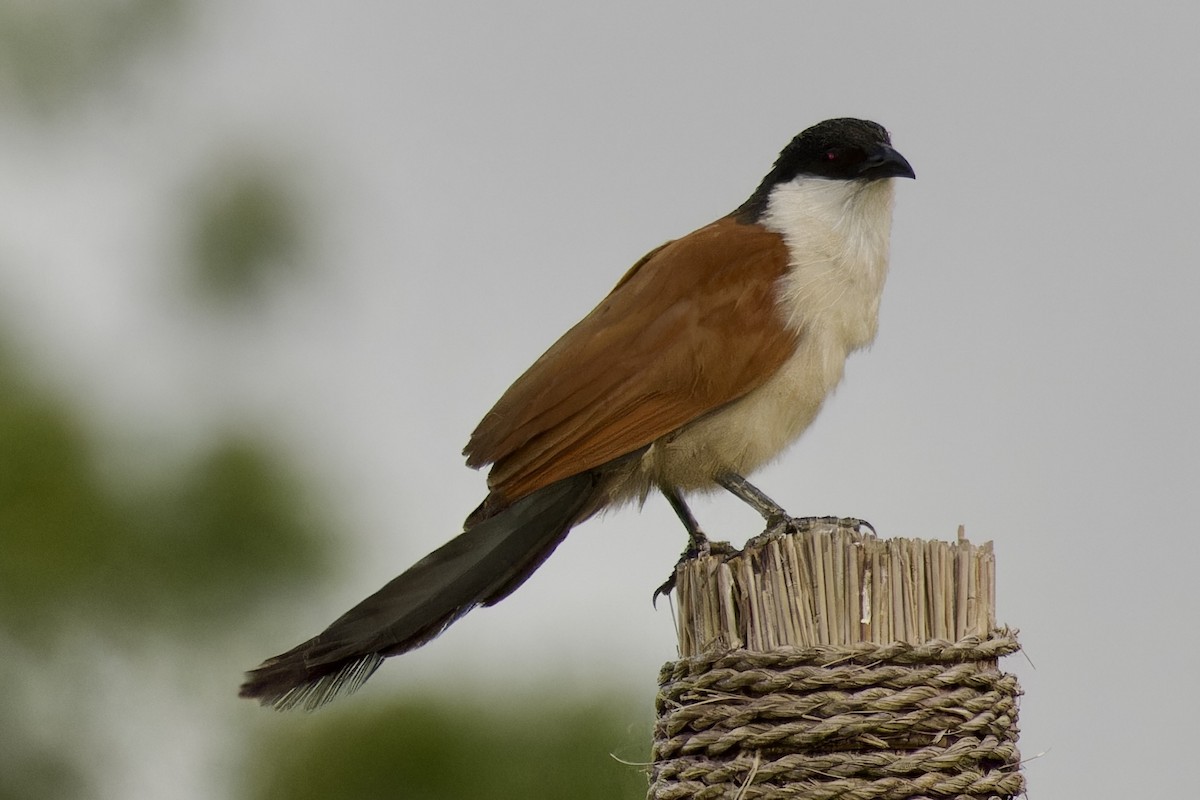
<point>481,566</point>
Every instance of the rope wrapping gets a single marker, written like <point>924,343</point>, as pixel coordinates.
<point>853,722</point>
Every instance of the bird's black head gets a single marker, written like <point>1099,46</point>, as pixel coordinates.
<point>843,149</point>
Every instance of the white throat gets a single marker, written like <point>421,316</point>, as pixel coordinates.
<point>838,235</point>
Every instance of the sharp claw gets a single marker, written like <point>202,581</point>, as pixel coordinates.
<point>699,545</point>
<point>801,524</point>
<point>667,587</point>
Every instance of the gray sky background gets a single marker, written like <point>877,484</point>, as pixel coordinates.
<point>483,175</point>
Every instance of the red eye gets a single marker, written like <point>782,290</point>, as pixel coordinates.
<point>832,155</point>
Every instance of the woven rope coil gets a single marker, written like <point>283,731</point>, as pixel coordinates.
<point>895,721</point>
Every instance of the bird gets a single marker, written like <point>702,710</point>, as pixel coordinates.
<point>710,356</point>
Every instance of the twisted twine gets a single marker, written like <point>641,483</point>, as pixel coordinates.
<point>854,722</point>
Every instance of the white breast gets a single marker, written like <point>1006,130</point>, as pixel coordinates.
<point>838,234</point>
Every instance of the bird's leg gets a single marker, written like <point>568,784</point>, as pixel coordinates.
<point>771,511</point>
<point>697,541</point>
<point>774,514</point>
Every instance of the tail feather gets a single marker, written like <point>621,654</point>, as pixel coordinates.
<point>480,566</point>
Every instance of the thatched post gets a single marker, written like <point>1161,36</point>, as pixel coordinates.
<point>823,662</point>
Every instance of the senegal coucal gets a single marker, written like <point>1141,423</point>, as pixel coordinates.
<point>712,354</point>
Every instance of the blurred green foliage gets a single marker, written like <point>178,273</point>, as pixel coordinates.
<point>58,529</point>
<point>186,553</point>
<point>53,51</point>
<point>423,749</point>
<point>191,548</point>
<point>245,226</point>
<point>27,773</point>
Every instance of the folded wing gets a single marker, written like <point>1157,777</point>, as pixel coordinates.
<point>692,326</point>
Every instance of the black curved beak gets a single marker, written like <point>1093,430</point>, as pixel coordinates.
<point>884,162</point>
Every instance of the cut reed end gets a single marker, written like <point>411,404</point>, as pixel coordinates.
<point>831,581</point>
